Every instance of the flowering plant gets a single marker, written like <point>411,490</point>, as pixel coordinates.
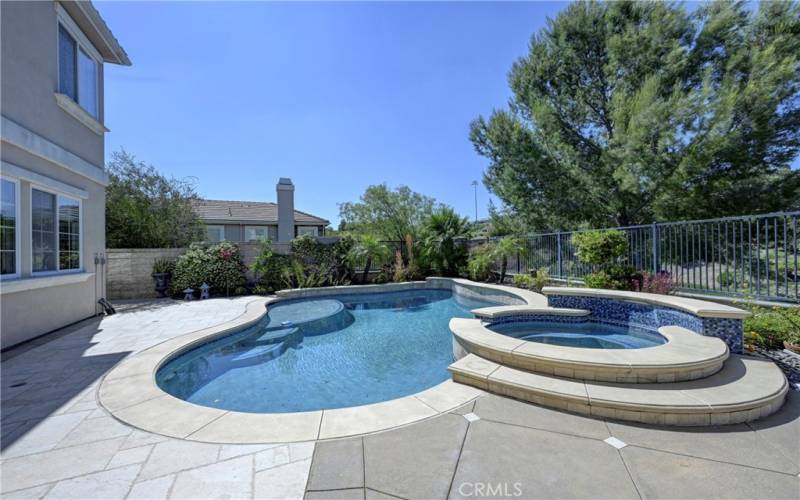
<point>655,283</point>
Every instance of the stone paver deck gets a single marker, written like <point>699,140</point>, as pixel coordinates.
<point>58,443</point>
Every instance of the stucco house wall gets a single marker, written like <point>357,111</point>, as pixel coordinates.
<point>48,147</point>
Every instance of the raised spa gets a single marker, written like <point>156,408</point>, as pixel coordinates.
<point>586,334</point>
<point>324,353</point>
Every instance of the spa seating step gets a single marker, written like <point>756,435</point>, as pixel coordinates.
<point>686,356</point>
<point>744,390</point>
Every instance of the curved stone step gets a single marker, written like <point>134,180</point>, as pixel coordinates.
<point>495,312</point>
<point>259,353</point>
<point>686,356</point>
<point>744,390</point>
<point>271,336</point>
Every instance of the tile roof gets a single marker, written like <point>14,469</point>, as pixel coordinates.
<point>249,211</point>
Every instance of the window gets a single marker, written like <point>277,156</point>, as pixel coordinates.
<point>69,233</point>
<point>8,228</point>
<point>255,233</point>
<point>87,83</point>
<point>306,230</point>
<point>55,232</point>
<point>77,71</point>
<point>43,230</point>
<point>215,234</point>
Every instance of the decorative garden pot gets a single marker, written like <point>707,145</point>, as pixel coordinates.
<point>162,283</point>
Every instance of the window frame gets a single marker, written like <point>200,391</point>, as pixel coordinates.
<point>315,228</point>
<point>64,20</point>
<point>244,232</point>
<point>17,232</point>
<point>57,194</point>
<point>222,232</point>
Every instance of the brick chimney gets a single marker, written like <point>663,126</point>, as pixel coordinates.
<point>285,190</point>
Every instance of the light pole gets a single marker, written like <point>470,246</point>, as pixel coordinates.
<point>475,186</point>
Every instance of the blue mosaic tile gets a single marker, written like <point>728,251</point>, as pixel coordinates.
<point>624,313</point>
<point>729,330</point>
<point>551,318</point>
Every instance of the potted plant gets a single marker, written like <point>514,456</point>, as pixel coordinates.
<point>162,272</point>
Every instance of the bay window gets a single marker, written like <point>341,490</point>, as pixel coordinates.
<point>55,232</point>
<point>9,219</point>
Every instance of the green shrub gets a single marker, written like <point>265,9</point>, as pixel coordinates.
<point>220,266</point>
<point>523,281</point>
<point>412,271</point>
<point>400,270</point>
<point>444,233</point>
<point>540,279</point>
<point>770,327</point>
<point>607,250</point>
<point>505,248</point>
<point>725,279</point>
<point>163,266</point>
<point>600,279</point>
<point>323,264</point>
<point>368,249</point>
<point>601,248</point>
<point>479,265</point>
<point>268,268</point>
<point>296,275</point>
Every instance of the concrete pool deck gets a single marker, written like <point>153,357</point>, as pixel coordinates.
<point>57,442</point>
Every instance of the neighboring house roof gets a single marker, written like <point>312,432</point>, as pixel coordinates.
<point>94,27</point>
<point>248,212</point>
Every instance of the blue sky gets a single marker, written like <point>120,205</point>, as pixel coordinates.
<point>336,96</point>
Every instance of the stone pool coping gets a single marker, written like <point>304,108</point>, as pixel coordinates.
<point>700,308</point>
<point>496,312</point>
<point>685,356</point>
<point>130,394</point>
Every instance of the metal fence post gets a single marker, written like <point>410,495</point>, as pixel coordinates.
<point>558,253</point>
<point>656,250</point>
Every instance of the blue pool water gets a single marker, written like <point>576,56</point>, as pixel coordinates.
<point>313,354</point>
<point>591,334</point>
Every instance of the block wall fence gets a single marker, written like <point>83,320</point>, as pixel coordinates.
<point>128,270</point>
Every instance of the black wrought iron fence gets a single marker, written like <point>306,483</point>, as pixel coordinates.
<point>750,255</point>
<point>753,255</point>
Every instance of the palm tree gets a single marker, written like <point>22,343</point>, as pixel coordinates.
<point>508,246</point>
<point>442,230</point>
<point>369,248</point>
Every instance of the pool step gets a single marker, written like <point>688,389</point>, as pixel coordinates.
<point>686,356</point>
<point>272,335</point>
<point>260,353</point>
<point>744,390</point>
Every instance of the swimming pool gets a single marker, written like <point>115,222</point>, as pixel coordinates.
<point>588,334</point>
<point>324,353</point>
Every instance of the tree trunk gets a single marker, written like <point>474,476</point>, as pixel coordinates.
<point>365,276</point>
<point>503,267</point>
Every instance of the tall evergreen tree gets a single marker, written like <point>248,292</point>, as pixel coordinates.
<point>628,112</point>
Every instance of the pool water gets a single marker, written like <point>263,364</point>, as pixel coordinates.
<point>590,334</point>
<point>326,353</point>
